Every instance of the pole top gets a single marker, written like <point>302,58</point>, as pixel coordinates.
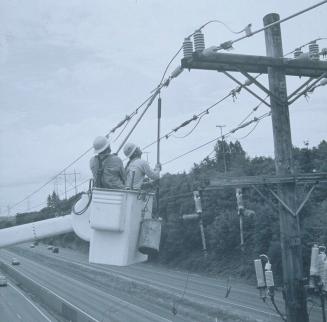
<point>270,18</point>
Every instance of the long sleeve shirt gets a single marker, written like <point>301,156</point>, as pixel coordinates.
<point>113,174</point>
<point>141,169</point>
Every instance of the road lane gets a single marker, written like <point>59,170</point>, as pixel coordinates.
<point>243,299</point>
<point>243,302</point>
<point>98,303</point>
<point>15,306</point>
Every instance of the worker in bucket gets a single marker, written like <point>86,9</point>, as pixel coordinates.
<point>107,169</point>
<point>136,168</point>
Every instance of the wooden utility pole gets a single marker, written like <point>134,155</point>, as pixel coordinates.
<point>295,299</point>
<point>276,66</point>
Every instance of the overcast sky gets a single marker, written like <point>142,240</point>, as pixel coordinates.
<point>71,70</point>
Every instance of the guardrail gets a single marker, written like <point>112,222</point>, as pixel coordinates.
<point>56,303</point>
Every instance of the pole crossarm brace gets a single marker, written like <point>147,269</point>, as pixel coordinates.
<point>255,64</point>
<point>254,81</point>
<point>302,178</point>
<point>247,89</point>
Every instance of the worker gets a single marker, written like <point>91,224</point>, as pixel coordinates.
<point>107,169</point>
<point>136,168</point>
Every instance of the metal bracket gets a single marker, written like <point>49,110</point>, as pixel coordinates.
<point>295,241</point>
<point>306,198</point>
<point>263,88</point>
<point>282,203</point>
<point>245,87</point>
<point>264,197</point>
<point>306,90</point>
<point>294,213</point>
<point>299,88</point>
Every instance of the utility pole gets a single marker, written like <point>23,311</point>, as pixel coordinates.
<point>295,299</point>
<point>223,142</point>
<point>276,67</point>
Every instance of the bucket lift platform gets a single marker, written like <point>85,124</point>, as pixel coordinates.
<point>112,224</point>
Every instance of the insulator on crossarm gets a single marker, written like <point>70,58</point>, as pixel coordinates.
<point>314,51</point>
<point>297,52</point>
<point>187,47</point>
<point>198,41</point>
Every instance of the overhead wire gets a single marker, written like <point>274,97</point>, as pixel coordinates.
<point>121,123</point>
<point>61,195</point>
<point>127,118</point>
<point>228,44</point>
<point>256,119</point>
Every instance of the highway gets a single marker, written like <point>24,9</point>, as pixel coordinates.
<point>16,306</point>
<point>75,270</point>
<point>100,303</point>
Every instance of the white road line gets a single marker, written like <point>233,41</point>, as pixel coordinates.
<point>29,301</point>
<point>173,287</point>
<point>139,308</point>
<point>64,300</point>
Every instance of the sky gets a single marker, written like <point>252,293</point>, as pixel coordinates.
<point>71,70</point>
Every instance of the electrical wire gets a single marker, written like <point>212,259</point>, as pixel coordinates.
<point>160,84</point>
<point>200,114</point>
<point>228,44</point>
<point>191,131</point>
<point>73,188</point>
<point>304,45</point>
<point>245,136</point>
<point>256,119</point>
<point>190,35</point>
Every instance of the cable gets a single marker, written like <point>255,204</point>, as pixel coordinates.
<point>190,35</point>
<point>121,132</point>
<point>126,119</point>
<point>306,44</point>
<point>245,136</point>
<point>228,44</point>
<point>191,131</point>
<point>200,114</point>
<point>256,119</point>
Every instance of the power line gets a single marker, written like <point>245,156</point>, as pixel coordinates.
<point>202,113</point>
<point>256,119</point>
<point>228,44</point>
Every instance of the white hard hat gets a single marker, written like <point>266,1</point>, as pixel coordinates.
<point>129,149</point>
<point>100,143</point>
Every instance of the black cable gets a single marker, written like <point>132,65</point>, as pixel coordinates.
<point>245,136</point>
<point>282,316</point>
<point>256,119</point>
<point>191,131</point>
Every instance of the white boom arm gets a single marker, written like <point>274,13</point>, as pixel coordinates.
<point>36,230</point>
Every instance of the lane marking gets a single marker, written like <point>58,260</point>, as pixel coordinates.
<point>172,287</point>
<point>139,308</point>
<point>189,292</point>
<point>29,301</point>
<point>61,298</point>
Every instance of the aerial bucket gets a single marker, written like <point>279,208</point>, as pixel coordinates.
<point>115,220</point>
<point>150,234</point>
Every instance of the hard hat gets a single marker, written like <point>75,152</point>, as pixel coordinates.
<point>129,149</point>
<point>100,143</point>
